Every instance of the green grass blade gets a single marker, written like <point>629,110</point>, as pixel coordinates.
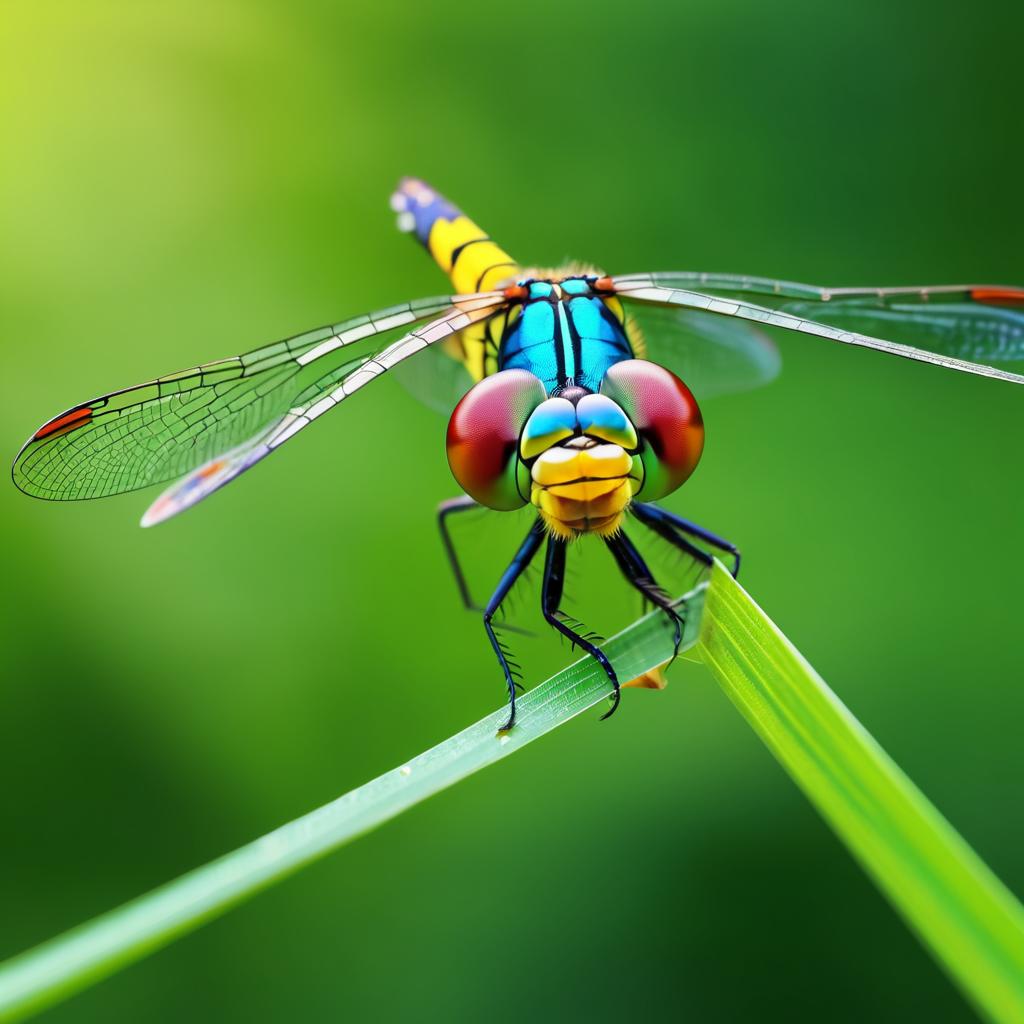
<point>65,965</point>
<point>963,913</point>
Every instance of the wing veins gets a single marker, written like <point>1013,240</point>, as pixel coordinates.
<point>157,430</point>
<point>647,289</point>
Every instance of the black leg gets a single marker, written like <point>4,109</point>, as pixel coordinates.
<point>444,510</point>
<point>551,598</point>
<point>671,527</point>
<point>634,568</point>
<point>523,557</point>
<point>665,530</point>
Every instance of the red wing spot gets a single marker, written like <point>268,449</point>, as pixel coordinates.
<point>64,424</point>
<point>999,296</point>
<point>212,468</point>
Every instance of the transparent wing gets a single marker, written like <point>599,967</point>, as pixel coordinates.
<point>714,355</point>
<point>961,327</point>
<point>325,393</point>
<point>166,427</point>
<point>438,378</point>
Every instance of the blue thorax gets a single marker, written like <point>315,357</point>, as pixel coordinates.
<point>565,336</point>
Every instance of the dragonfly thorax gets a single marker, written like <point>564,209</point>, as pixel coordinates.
<point>564,330</point>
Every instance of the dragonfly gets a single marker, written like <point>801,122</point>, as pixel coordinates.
<point>570,390</point>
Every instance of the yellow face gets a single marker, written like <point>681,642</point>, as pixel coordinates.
<point>582,472</point>
<point>583,486</point>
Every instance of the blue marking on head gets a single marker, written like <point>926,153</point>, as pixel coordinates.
<point>602,415</point>
<point>546,419</point>
<point>541,290</point>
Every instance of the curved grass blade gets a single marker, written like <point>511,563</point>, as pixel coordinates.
<point>973,925</point>
<point>971,922</point>
<point>71,962</point>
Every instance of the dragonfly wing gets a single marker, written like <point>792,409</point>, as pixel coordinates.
<point>164,428</point>
<point>223,468</point>
<point>972,328</point>
<point>438,379</point>
<point>323,394</point>
<point>447,371</point>
<point>714,355</point>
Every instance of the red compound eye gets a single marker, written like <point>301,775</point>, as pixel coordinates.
<point>666,418</point>
<point>483,438</point>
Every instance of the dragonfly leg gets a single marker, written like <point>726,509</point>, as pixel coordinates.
<point>673,527</point>
<point>677,540</point>
<point>444,510</point>
<point>522,559</point>
<point>635,569</point>
<point>551,598</point>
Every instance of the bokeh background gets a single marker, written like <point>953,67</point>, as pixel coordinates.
<point>183,182</point>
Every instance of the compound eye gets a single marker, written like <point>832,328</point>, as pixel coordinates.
<point>666,417</point>
<point>483,438</point>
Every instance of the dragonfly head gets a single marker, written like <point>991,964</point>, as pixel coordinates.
<point>579,456</point>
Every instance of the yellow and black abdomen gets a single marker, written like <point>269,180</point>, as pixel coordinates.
<point>465,252</point>
<point>462,250</point>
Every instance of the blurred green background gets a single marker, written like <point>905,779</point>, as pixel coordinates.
<point>183,182</point>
